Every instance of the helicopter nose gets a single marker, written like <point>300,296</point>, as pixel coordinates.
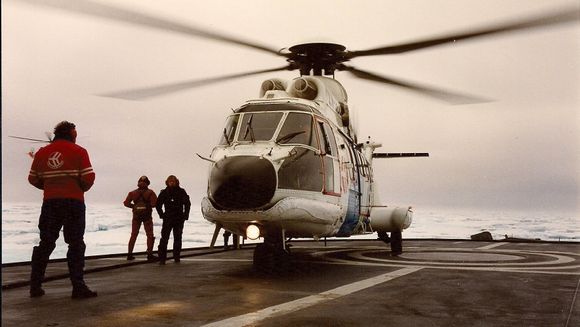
<point>242,182</point>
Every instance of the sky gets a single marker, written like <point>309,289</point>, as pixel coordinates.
<point>519,151</point>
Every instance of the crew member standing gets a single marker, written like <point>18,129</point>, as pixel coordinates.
<point>177,205</point>
<point>141,201</point>
<point>64,172</point>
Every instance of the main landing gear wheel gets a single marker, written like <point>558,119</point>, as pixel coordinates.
<point>396,243</point>
<point>271,258</point>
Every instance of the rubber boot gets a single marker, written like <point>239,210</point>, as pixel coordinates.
<point>76,264</point>
<point>150,256</point>
<point>162,252</point>
<point>176,255</point>
<point>130,248</point>
<point>82,292</point>
<point>38,263</point>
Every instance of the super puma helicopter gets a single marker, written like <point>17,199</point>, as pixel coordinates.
<point>289,164</point>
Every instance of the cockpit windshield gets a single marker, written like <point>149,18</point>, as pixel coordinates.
<point>297,129</point>
<point>230,130</point>
<point>259,126</point>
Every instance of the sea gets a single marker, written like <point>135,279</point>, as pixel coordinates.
<point>108,227</point>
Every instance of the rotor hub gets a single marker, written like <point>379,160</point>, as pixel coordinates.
<point>318,58</point>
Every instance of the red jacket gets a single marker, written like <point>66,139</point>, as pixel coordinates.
<point>63,170</point>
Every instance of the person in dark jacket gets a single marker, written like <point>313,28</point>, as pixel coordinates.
<point>64,172</point>
<point>142,201</point>
<point>176,203</point>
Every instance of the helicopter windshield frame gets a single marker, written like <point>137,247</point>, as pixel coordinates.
<point>282,123</point>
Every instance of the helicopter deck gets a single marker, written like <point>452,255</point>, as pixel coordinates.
<point>340,283</point>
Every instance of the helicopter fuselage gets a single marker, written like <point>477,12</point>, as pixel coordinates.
<point>289,164</point>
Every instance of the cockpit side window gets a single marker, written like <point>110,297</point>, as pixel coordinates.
<point>259,126</point>
<point>328,141</point>
<point>229,131</point>
<point>297,129</point>
<point>330,158</point>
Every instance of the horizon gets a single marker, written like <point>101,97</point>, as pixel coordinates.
<point>519,151</point>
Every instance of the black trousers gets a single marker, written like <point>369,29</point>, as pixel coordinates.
<point>57,214</point>
<point>175,225</point>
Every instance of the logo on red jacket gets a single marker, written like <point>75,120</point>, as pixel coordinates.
<point>55,160</point>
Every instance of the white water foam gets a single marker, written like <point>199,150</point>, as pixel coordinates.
<point>108,227</point>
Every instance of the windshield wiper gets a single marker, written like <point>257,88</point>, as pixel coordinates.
<point>249,129</point>
<point>226,137</point>
<point>288,136</point>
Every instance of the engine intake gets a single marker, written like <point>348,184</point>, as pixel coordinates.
<point>302,88</point>
<point>273,84</point>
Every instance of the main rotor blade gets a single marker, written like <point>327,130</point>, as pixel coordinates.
<point>29,139</point>
<point>447,96</point>
<point>159,90</point>
<point>96,9</point>
<point>566,16</point>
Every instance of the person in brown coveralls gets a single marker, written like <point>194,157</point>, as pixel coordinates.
<point>142,201</point>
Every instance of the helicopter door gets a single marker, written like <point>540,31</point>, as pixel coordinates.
<point>365,184</point>
<point>353,191</point>
<point>330,160</point>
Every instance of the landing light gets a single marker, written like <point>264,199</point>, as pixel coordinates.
<point>252,232</point>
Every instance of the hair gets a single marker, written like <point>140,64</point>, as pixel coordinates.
<point>171,177</point>
<point>63,130</point>
<point>145,179</point>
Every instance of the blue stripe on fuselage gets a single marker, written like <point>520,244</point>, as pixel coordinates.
<point>352,215</point>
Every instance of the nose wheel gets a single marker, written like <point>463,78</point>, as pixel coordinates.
<point>272,257</point>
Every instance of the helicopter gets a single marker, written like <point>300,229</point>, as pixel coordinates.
<point>289,163</point>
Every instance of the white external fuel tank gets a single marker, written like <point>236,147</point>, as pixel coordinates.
<point>390,219</point>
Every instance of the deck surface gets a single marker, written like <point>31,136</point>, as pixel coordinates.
<point>342,283</point>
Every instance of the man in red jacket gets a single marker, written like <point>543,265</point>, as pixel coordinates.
<point>63,171</point>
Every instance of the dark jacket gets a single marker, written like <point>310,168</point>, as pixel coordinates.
<point>176,203</point>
